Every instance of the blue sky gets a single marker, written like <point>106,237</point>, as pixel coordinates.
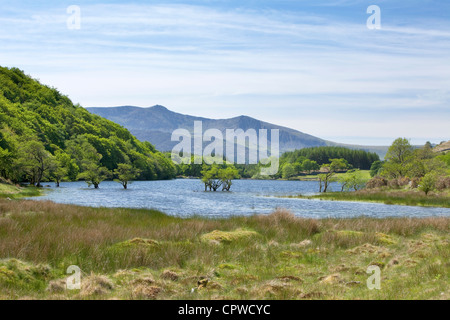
<point>310,65</point>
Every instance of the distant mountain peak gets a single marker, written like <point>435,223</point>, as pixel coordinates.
<point>159,108</point>
<point>156,124</point>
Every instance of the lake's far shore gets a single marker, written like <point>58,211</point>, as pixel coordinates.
<point>391,197</point>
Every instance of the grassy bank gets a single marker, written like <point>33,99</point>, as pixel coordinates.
<point>398,197</point>
<point>16,192</point>
<point>144,254</point>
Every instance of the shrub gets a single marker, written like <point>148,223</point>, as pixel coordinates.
<point>414,183</point>
<point>376,182</point>
<point>403,181</point>
<point>443,183</point>
<point>393,183</point>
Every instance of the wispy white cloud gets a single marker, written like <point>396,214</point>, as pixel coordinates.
<point>202,60</point>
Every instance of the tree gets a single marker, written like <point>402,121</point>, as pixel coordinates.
<point>288,171</point>
<point>400,151</point>
<point>422,162</point>
<point>93,174</point>
<point>227,175</point>
<point>398,156</point>
<point>322,178</point>
<point>214,177</point>
<point>298,167</point>
<point>331,169</point>
<point>58,174</point>
<point>81,151</point>
<point>426,152</point>
<point>6,159</point>
<point>414,168</point>
<point>445,158</point>
<point>34,160</point>
<point>428,183</point>
<point>69,164</point>
<point>375,168</point>
<point>310,165</point>
<point>353,180</point>
<point>435,165</point>
<point>63,168</point>
<point>210,177</point>
<point>125,173</point>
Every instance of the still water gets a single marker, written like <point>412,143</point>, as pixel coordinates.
<point>186,197</point>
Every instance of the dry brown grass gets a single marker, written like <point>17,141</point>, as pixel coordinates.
<point>170,275</point>
<point>146,292</point>
<point>282,218</point>
<point>399,226</point>
<point>96,285</point>
<point>57,286</point>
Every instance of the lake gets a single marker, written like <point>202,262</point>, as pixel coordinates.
<point>186,197</point>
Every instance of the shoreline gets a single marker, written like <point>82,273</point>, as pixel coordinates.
<point>388,197</point>
<point>399,197</point>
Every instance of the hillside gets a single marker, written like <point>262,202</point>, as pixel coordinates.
<point>442,147</point>
<point>156,124</point>
<point>34,115</point>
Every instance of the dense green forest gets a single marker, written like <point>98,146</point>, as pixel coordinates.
<point>44,136</point>
<point>358,159</point>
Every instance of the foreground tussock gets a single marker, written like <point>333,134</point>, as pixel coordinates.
<point>170,275</point>
<point>144,291</point>
<point>57,286</point>
<point>18,274</point>
<point>331,279</point>
<point>144,254</point>
<point>218,236</point>
<point>96,285</point>
<point>138,242</point>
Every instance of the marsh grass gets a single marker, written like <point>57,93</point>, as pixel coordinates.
<point>395,197</point>
<point>276,256</point>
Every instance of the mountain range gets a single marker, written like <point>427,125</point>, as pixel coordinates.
<point>156,124</point>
